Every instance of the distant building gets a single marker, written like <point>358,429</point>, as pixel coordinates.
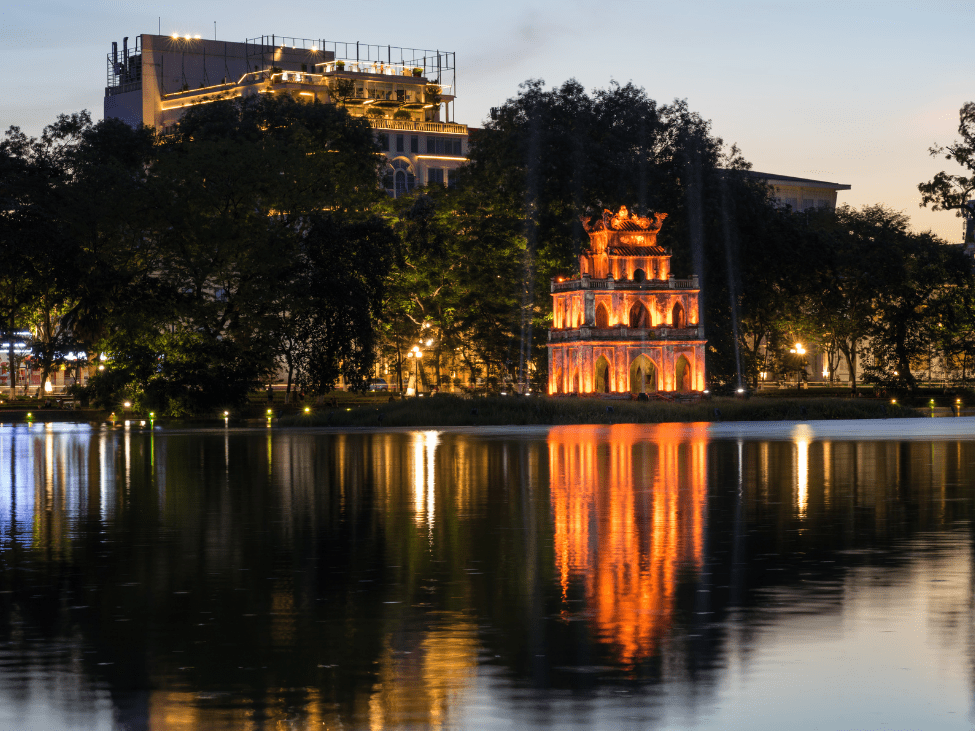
<point>406,94</point>
<point>626,325</point>
<point>801,194</point>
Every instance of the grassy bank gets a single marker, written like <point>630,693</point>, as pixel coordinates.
<point>517,411</point>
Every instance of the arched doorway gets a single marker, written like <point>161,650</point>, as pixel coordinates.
<point>677,315</point>
<point>643,375</point>
<point>574,383</point>
<point>558,380</point>
<point>602,375</point>
<point>682,375</point>
<point>639,317</point>
<point>602,317</point>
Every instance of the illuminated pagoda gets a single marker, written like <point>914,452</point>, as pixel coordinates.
<point>626,325</point>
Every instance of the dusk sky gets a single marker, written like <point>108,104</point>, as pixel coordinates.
<point>852,92</point>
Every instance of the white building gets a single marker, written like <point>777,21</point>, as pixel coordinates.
<point>406,94</point>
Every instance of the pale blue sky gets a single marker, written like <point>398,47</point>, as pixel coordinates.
<point>852,92</point>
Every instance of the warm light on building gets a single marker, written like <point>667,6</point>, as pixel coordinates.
<point>626,325</point>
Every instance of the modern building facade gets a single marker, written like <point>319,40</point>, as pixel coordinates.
<point>406,94</point>
<point>801,194</point>
<point>626,324</point>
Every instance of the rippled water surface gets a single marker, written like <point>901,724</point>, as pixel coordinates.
<point>612,577</point>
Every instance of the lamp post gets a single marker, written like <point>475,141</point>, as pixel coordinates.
<point>799,351</point>
<point>415,355</point>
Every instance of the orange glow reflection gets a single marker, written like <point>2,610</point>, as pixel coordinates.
<point>628,503</point>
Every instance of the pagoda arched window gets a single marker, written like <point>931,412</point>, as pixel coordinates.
<point>639,317</point>
<point>677,315</point>
<point>602,317</point>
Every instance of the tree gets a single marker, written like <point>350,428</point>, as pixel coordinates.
<point>947,192</point>
<point>914,274</point>
<point>240,191</point>
<point>545,158</point>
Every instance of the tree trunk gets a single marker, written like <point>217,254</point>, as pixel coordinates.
<point>399,368</point>
<point>849,351</point>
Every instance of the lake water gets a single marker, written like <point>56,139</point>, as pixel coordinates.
<point>736,576</point>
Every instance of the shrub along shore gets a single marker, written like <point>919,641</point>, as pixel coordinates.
<point>446,410</point>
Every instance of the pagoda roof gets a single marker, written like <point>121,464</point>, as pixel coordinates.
<point>636,251</point>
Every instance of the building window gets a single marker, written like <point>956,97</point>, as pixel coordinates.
<point>435,175</point>
<point>431,145</point>
<point>808,204</point>
<point>384,142</point>
<point>399,179</point>
<point>415,143</point>
<point>457,148</point>
<point>452,178</point>
<point>400,144</point>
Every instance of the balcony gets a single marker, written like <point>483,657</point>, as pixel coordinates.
<point>410,126</point>
<point>629,334</point>
<point>587,282</point>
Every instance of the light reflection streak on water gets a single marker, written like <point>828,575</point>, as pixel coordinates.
<point>424,455</point>
<point>628,507</point>
<point>127,447</point>
<point>802,435</point>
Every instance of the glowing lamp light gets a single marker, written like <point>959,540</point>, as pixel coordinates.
<point>429,343</point>
<point>101,367</point>
<point>197,36</point>
<point>741,390</point>
<point>307,410</point>
<point>48,387</point>
<point>176,36</point>
<point>187,36</point>
<point>127,404</point>
<point>226,414</point>
<point>269,412</point>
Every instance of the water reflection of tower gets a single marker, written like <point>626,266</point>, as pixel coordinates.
<point>628,504</point>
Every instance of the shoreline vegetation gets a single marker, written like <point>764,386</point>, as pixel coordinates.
<point>444,410</point>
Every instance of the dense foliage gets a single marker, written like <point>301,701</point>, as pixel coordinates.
<point>196,262</point>
<point>255,239</point>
